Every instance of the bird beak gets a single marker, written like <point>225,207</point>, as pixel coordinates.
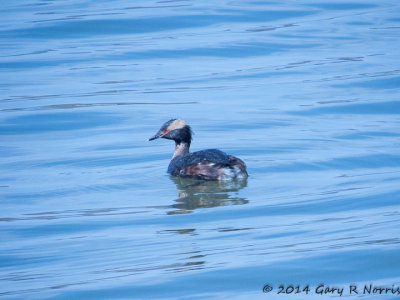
<point>159,134</point>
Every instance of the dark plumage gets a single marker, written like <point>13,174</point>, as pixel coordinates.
<point>210,164</point>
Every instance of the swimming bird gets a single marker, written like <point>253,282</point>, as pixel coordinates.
<point>210,164</point>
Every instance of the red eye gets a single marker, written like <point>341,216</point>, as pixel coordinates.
<point>165,132</point>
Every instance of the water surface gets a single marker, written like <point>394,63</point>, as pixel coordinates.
<point>306,93</point>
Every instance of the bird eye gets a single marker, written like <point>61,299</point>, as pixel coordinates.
<point>165,132</point>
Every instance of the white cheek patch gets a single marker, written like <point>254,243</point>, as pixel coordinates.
<point>177,124</point>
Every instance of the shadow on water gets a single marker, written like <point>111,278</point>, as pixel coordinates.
<point>193,194</point>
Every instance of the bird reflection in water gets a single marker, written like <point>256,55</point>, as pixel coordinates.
<point>193,194</point>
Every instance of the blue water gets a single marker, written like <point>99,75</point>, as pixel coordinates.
<point>305,92</point>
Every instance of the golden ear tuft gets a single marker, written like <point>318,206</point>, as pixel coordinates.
<point>177,124</point>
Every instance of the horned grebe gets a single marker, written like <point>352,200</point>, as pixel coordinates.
<point>210,164</point>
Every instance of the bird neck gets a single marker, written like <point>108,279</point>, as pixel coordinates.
<point>181,148</point>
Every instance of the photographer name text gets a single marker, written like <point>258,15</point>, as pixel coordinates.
<point>323,289</point>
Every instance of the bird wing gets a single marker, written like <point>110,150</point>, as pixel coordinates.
<point>201,164</point>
